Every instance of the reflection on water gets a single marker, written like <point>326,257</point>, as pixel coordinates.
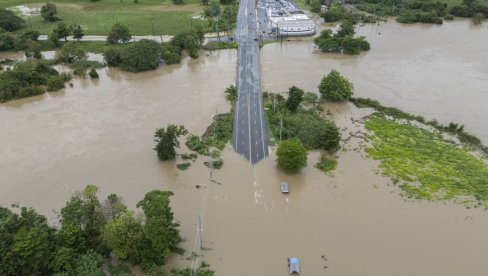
<point>100,132</point>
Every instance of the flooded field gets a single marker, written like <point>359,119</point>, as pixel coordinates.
<point>351,223</point>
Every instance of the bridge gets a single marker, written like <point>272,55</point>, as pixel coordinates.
<point>249,137</point>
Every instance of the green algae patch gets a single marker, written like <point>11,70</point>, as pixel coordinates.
<point>426,165</point>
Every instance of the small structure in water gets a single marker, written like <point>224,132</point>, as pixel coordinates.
<point>294,264</point>
<point>284,187</point>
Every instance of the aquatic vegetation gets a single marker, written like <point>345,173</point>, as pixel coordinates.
<point>183,166</point>
<point>326,165</point>
<point>426,165</point>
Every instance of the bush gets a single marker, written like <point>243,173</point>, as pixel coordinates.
<point>55,83</point>
<point>7,42</point>
<point>29,91</point>
<point>93,74</point>
<point>335,87</point>
<point>334,13</point>
<point>112,56</point>
<point>9,21</point>
<point>72,53</point>
<point>140,56</point>
<point>478,18</point>
<point>292,155</point>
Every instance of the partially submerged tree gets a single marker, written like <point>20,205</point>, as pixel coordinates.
<point>166,141</point>
<point>292,155</point>
<point>295,97</point>
<point>72,53</point>
<point>335,87</point>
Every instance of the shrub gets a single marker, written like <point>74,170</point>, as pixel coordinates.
<point>335,87</point>
<point>55,83</point>
<point>93,74</point>
<point>72,53</point>
<point>292,155</point>
<point>112,56</point>
<point>141,56</point>
<point>9,21</point>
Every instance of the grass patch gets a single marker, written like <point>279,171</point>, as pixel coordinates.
<point>326,164</point>
<point>427,166</point>
<point>139,23</point>
<point>453,128</point>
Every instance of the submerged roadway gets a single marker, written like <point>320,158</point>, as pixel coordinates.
<point>249,137</point>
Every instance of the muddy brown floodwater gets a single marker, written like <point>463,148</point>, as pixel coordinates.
<point>351,223</point>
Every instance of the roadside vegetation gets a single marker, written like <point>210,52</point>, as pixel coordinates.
<point>90,236</point>
<point>296,118</point>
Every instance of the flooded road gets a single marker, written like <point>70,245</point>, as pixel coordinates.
<point>353,222</point>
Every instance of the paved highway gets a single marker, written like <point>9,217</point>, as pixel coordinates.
<point>249,137</point>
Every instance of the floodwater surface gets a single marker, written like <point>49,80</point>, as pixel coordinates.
<point>353,222</point>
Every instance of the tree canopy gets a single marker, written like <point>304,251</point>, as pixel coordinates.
<point>292,155</point>
<point>140,56</point>
<point>166,141</point>
<point>295,97</point>
<point>9,21</point>
<point>49,11</point>
<point>119,33</point>
<point>89,231</point>
<point>335,87</point>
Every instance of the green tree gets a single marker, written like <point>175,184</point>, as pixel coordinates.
<point>90,264</point>
<point>62,31</point>
<point>84,211</point>
<point>119,33</point>
<point>335,87</point>
<point>49,11</point>
<point>124,235</point>
<point>213,10</point>
<point>295,97</point>
<point>72,53</point>
<point>231,94</point>
<point>292,155</point>
<point>161,235</point>
<point>7,42</point>
<point>113,207</point>
<point>140,56</point>
<point>166,141</point>
<point>9,21</point>
<point>334,13</point>
<point>77,32</point>
<point>63,260</point>
<point>24,242</point>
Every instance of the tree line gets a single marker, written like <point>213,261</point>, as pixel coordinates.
<point>89,233</point>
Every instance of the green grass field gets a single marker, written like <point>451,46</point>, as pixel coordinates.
<point>425,165</point>
<point>96,18</point>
